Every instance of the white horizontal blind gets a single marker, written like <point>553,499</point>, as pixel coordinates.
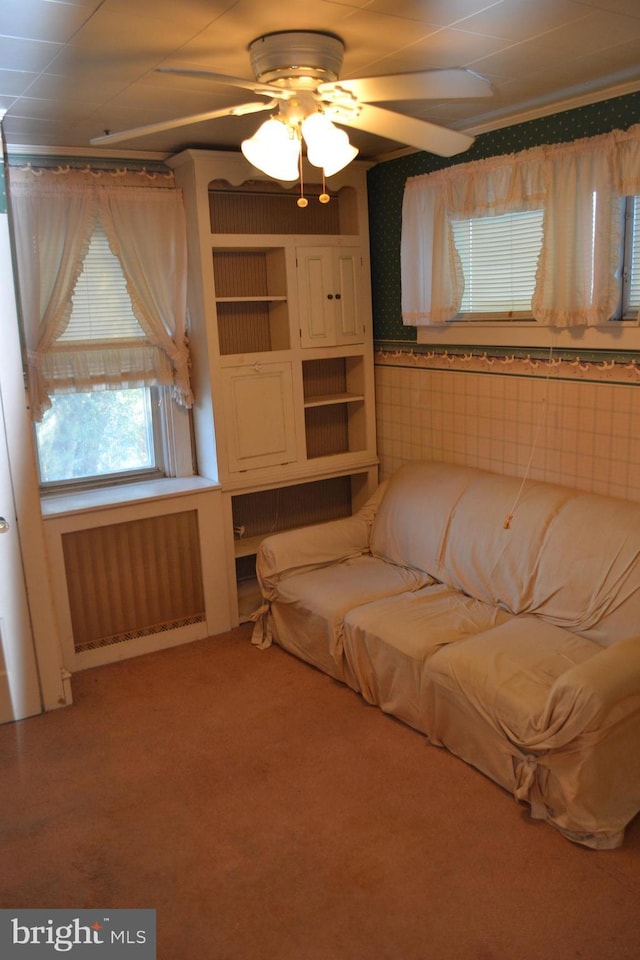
<point>632,265</point>
<point>499,259</point>
<point>101,303</point>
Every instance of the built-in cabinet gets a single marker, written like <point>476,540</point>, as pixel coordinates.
<point>281,343</point>
<point>259,411</point>
<point>331,295</point>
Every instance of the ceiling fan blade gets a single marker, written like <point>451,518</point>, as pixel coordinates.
<point>262,89</point>
<point>424,85</point>
<point>408,130</point>
<point>150,128</point>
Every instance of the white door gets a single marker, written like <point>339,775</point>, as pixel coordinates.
<point>19,687</point>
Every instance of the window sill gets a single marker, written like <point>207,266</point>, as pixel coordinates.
<point>81,501</point>
<point>621,335</point>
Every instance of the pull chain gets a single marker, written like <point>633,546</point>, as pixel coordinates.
<point>302,200</point>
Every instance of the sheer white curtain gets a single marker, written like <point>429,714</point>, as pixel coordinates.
<point>626,162</point>
<point>54,219</point>
<point>52,233</point>
<point>146,231</point>
<point>576,283</point>
<point>432,279</point>
<point>578,186</point>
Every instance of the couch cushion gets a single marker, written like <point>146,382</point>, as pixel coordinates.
<point>589,568</point>
<point>495,533</point>
<point>505,675</point>
<point>451,521</point>
<point>412,521</point>
<point>387,643</point>
<point>309,609</point>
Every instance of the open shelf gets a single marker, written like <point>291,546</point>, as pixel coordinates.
<point>249,273</point>
<point>263,512</point>
<point>334,405</point>
<point>247,546</point>
<point>329,399</point>
<point>333,379</point>
<point>252,326</point>
<point>260,208</point>
<point>334,429</point>
<point>251,300</point>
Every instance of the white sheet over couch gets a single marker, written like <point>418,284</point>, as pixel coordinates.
<point>516,645</point>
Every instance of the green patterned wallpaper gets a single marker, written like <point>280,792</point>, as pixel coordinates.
<point>386,186</point>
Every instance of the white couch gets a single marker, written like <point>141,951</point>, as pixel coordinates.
<point>500,619</point>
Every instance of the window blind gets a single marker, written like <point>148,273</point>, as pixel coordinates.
<point>499,259</point>
<point>632,264</point>
<point>101,303</point>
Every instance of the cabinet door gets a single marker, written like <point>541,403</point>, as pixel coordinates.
<point>349,319</point>
<point>259,419</point>
<point>330,296</point>
<point>316,296</point>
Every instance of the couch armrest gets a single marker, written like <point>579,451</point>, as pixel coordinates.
<point>598,693</point>
<point>293,551</point>
<point>582,769</point>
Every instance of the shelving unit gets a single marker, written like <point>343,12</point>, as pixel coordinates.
<point>262,512</point>
<point>251,300</point>
<point>333,380</point>
<point>281,347</point>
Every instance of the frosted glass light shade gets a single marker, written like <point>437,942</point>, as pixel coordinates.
<point>342,153</point>
<point>317,131</point>
<point>274,149</point>
<point>327,146</point>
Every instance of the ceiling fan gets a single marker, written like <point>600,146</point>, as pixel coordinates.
<point>298,72</point>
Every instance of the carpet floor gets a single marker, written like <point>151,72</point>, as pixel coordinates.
<point>267,813</point>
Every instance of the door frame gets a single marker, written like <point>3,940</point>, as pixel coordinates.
<point>55,688</point>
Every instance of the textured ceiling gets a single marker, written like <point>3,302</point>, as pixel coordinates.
<point>71,70</point>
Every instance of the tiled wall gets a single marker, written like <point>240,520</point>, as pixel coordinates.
<point>579,433</point>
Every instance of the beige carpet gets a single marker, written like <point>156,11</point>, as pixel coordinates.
<point>268,813</point>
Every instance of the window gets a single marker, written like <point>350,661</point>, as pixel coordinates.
<point>631,259</point>
<point>499,259</point>
<point>585,279</point>
<point>106,435</point>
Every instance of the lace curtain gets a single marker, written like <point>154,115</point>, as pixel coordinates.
<point>54,219</point>
<point>578,185</point>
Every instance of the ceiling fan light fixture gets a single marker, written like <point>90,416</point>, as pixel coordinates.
<point>299,72</point>
<point>275,149</point>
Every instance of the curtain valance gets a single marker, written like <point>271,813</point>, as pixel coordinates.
<point>54,219</point>
<point>578,186</point>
